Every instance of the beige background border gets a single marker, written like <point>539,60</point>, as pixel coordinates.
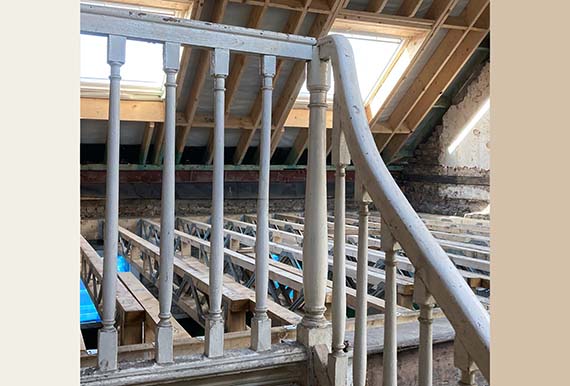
<point>39,201</point>
<point>530,193</point>
<point>40,196</point>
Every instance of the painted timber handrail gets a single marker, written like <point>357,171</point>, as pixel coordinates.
<point>98,20</point>
<point>441,278</point>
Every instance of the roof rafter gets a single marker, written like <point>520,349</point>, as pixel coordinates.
<point>236,72</point>
<point>292,27</point>
<point>145,144</point>
<point>409,7</point>
<point>377,6</point>
<point>441,8</point>
<point>198,83</point>
<point>435,77</point>
<point>321,26</point>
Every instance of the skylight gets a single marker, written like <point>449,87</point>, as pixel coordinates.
<point>142,74</point>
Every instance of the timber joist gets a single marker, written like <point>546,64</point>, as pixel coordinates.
<point>191,283</point>
<point>470,253</point>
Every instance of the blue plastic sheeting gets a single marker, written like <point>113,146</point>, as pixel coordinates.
<point>122,264</point>
<point>286,289</point>
<point>87,310</point>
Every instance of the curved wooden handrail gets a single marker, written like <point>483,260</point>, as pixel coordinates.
<point>460,305</point>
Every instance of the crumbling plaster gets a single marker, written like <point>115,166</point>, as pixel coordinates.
<point>474,150</point>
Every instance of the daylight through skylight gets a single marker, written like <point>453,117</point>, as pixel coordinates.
<point>372,55</point>
<point>142,74</point>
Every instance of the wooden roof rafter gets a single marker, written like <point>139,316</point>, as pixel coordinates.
<point>292,27</point>
<point>438,11</point>
<point>440,70</point>
<point>410,35</point>
<point>377,6</point>
<point>236,72</point>
<point>321,26</point>
<point>198,83</point>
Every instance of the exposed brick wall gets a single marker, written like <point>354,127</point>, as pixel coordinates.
<point>436,181</point>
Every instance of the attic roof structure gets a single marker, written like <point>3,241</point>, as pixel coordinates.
<point>435,39</point>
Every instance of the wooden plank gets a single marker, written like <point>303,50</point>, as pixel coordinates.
<point>298,147</point>
<point>278,313</point>
<point>181,267</point>
<point>461,254</point>
<point>240,60</point>
<point>197,8</point>
<point>375,275</point>
<point>443,66</point>
<point>296,282</point>
<point>425,77</point>
<point>137,111</point>
<point>130,314</point>
<point>320,27</point>
<point>151,307</point>
<point>445,76</point>
<point>236,72</point>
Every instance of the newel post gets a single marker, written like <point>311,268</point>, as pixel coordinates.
<point>314,328</point>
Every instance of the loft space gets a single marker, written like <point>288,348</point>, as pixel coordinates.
<point>394,47</point>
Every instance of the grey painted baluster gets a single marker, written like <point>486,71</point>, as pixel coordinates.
<point>425,300</point>
<point>261,324</point>
<point>390,366</point>
<point>338,360</point>
<point>214,343</point>
<point>360,341</point>
<point>164,337</point>
<point>107,337</point>
<point>464,363</point>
